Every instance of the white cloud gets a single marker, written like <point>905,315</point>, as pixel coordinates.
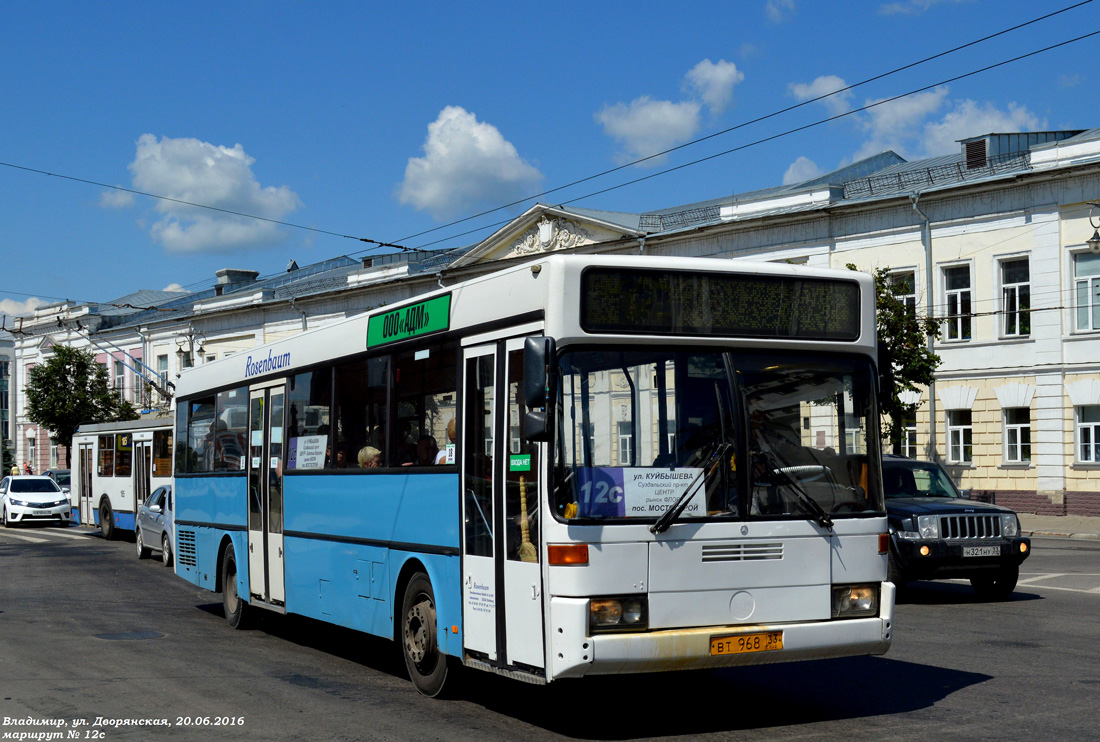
<point>801,170</point>
<point>776,10</point>
<point>970,119</point>
<point>912,7</point>
<point>822,86</point>
<point>646,126</point>
<point>14,308</point>
<point>930,124</point>
<point>714,83</point>
<point>897,125</point>
<point>467,163</point>
<point>174,287</point>
<point>115,199</point>
<point>211,175</point>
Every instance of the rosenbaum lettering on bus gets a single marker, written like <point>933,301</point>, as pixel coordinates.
<point>265,365</point>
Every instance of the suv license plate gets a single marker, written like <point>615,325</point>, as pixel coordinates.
<point>981,551</point>
<point>740,643</point>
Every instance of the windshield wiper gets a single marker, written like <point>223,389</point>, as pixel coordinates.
<point>700,480</point>
<point>818,512</point>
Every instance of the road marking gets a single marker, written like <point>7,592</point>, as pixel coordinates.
<point>1052,575</point>
<point>66,534</point>
<point>30,539</point>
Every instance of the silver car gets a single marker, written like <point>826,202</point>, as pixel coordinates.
<point>27,498</point>
<point>153,531</point>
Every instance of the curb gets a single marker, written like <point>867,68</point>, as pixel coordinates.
<point>1056,534</point>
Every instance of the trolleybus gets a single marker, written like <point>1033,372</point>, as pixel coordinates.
<point>115,468</point>
<point>582,465</point>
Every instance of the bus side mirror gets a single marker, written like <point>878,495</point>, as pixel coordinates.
<point>538,391</point>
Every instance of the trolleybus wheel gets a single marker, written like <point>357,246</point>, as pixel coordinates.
<point>142,549</point>
<point>426,664</point>
<point>236,610</point>
<point>165,551</point>
<point>106,525</point>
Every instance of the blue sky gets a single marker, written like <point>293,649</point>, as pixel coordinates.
<point>384,120</point>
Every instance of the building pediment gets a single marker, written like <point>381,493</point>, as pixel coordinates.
<point>544,229</point>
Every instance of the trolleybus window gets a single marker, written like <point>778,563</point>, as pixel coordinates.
<point>124,454</point>
<point>106,449</point>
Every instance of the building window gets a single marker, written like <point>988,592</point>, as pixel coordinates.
<point>1017,435</point>
<point>1088,434</point>
<point>1086,281</point>
<point>1016,297</point>
<point>904,286</point>
<point>957,285</point>
<point>120,376</point>
<point>960,437</point>
<point>626,443</point>
<point>909,437</point>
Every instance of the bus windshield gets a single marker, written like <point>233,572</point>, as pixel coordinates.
<point>737,434</point>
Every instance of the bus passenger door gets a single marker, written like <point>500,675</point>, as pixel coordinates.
<point>266,459</point>
<point>86,457</point>
<point>479,583</point>
<point>520,472</point>
<point>502,577</point>
<point>143,472</point>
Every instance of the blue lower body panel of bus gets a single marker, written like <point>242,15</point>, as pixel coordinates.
<point>122,521</point>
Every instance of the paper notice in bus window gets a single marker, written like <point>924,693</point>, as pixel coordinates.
<point>635,492</point>
<point>307,452</point>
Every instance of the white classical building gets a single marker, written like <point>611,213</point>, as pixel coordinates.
<point>994,239</point>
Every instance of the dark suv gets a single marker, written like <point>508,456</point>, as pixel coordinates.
<point>936,531</point>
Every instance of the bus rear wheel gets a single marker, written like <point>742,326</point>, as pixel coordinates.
<point>236,610</point>
<point>106,525</point>
<point>427,665</point>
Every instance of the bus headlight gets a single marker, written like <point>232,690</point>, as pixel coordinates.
<point>1010,526</point>
<point>618,614</point>
<point>852,601</point>
<point>928,526</point>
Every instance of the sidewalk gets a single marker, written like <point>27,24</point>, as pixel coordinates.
<point>1067,526</point>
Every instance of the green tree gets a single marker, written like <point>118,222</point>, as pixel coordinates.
<point>905,363</point>
<point>71,389</point>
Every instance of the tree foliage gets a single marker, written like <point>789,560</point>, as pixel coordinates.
<point>905,362</point>
<point>71,389</point>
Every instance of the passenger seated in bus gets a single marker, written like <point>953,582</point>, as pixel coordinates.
<point>341,461</point>
<point>441,456</point>
<point>426,450</point>
<point>370,457</point>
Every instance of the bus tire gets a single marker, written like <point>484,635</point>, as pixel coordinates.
<point>139,540</point>
<point>427,665</point>
<point>106,524</point>
<point>165,551</point>
<point>236,609</point>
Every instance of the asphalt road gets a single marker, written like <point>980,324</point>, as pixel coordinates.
<point>88,632</point>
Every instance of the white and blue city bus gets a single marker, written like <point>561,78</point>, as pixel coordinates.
<point>116,466</point>
<point>580,465</point>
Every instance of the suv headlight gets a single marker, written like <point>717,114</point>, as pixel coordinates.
<point>928,526</point>
<point>1010,525</point>
<point>618,614</point>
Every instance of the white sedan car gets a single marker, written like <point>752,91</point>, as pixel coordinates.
<point>25,499</point>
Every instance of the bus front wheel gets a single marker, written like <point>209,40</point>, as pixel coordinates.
<point>236,610</point>
<point>426,664</point>
<point>106,525</point>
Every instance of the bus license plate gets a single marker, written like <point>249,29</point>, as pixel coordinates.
<point>741,643</point>
<point>981,551</point>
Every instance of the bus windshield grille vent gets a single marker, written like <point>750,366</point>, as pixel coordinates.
<point>970,526</point>
<point>753,552</point>
<point>185,551</point>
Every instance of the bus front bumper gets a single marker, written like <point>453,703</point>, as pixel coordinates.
<point>575,653</point>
